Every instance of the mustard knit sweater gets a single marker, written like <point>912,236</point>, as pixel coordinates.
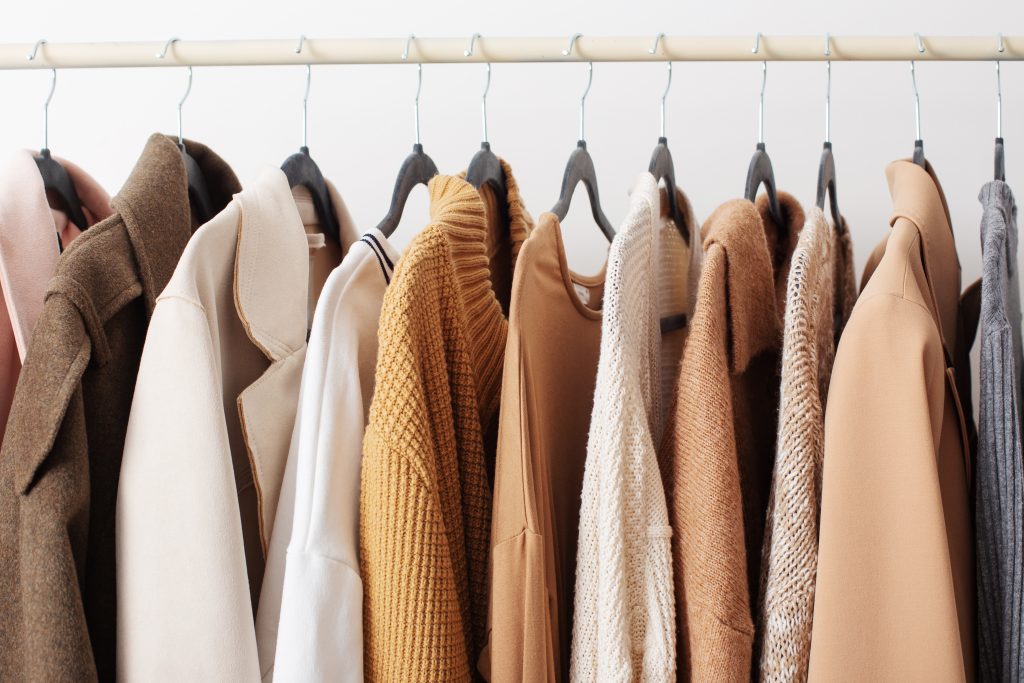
<point>425,501</point>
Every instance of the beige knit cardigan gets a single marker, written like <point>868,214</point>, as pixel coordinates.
<point>820,295</point>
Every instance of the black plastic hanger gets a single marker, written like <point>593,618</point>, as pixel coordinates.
<point>827,185</point>
<point>485,167</point>
<point>760,171</point>
<point>417,169</point>
<point>301,170</point>
<point>56,181</point>
<point>580,168</point>
<point>827,164</point>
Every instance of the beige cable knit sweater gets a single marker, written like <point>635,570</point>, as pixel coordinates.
<point>819,297</point>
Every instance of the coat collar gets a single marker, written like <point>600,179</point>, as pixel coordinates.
<point>154,206</point>
<point>271,280</point>
<point>271,266</point>
<point>28,242</point>
<point>917,197</point>
<point>756,284</point>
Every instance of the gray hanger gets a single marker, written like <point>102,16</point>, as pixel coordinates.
<point>1000,161</point>
<point>827,164</point>
<point>760,171</point>
<point>580,168</point>
<point>485,167</point>
<point>417,169</point>
<point>661,166</point>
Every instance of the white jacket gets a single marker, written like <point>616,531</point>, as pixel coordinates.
<point>205,451</point>
<point>311,605</point>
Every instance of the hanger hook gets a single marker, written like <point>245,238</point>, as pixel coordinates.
<point>757,43</point>
<point>472,41</point>
<point>572,43</point>
<point>419,86</point>
<point>46,104</point>
<point>760,107</point>
<point>583,99</point>
<point>483,102</point>
<point>668,85</point>
<point>999,88</point>
<point>305,98</point>
<point>42,41</point>
<point>828,89</point>
<point>913,81</point>
<point>167,46</point>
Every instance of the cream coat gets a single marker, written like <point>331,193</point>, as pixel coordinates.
<point>894,599</point>
<point>210,426</point>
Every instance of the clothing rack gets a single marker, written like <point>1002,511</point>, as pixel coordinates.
<point>415,50</point>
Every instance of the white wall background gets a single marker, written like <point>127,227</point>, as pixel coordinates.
<point>360,117</point>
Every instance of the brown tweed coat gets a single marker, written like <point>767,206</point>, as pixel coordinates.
<point>61,454</point>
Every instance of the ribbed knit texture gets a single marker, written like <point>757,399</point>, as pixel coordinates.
<point>624,614</point>
<point>425,502</point>
<point>999,502</point>
<point>812,320</point>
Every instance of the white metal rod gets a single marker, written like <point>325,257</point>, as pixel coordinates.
<point>496,49</point>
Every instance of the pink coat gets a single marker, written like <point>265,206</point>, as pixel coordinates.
<point>28,254</point>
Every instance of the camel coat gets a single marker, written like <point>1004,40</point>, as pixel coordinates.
<point>62,450</point>
<point>895,588</point>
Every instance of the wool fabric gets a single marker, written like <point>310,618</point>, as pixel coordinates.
<point>819,297</point>
<point>624,618</point>
<point>61,455</point>
<point>719,445</point>
<point>425,500</point>
<point>999,501</point>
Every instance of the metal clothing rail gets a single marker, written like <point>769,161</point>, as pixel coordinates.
<point>498,49</point>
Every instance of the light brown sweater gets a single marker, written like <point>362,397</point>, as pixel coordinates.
<point>719,444</point>
<point>425,501</point>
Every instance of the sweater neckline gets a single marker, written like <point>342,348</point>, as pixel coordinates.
<point>457,207</point>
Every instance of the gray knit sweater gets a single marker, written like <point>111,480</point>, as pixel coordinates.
<point>1000,479</point>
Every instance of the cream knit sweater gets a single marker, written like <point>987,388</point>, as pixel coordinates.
<point>624,622</point>
<point>819,297</point>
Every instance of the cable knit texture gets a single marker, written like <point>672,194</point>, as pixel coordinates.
<point>425,502</point>
<point>999,506</point>
<point>624,616</point>
<point>819,298</point>
<point>719,445</point>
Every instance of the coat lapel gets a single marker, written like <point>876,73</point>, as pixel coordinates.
<point>270,291</point>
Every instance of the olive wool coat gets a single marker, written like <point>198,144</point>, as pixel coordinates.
<point>61,454</point>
